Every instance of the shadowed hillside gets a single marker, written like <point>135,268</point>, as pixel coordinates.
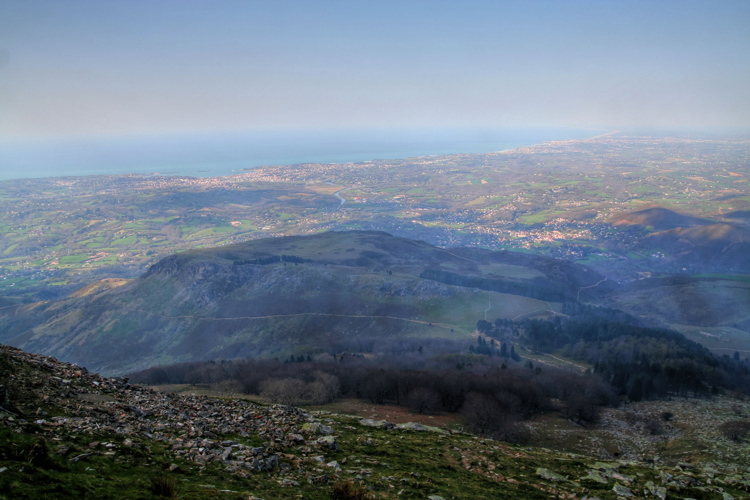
<point>293,294</point>
<point>720,246</point>
<point>658,218</point>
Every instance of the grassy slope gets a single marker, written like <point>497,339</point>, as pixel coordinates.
<point>198,305</point>
<point>37,459</point>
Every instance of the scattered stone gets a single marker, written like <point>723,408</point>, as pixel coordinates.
<point>657,491</point>
<point>411,426</point>
<point>596,476</point>
<point>620,477</point>
<point>378,424</point>
<point>622,490</point>
<point>322,479</point>
<point>604,466</point>
<point>193,429</point>
<point>316,428</point>
<point>328,442</point>
<point>80,457</point>
<point>296,438</point>
<point>549,475</point>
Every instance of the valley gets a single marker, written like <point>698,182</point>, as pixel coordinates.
<point>635,209</point>
<point>565,199</point>
<point>569,319</point>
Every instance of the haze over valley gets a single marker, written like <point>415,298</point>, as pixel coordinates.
<point>358,251</point>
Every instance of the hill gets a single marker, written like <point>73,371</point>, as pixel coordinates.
<point>68,432</point>
<point>743,215</point>
<point>690,243</point>
<point>700,301</point>
<point>718,246</point>
<point>657,218</point>
<point>295,294</point>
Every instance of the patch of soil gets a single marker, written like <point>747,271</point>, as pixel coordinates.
<point>395,414</point>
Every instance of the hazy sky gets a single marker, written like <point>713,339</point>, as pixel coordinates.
<point>105,66</point>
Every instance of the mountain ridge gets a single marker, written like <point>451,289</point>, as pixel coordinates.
<point>211,303</point>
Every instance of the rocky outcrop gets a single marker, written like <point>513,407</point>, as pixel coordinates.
<point>193,428</point>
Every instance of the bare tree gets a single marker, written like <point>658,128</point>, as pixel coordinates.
<point>287,391</point>
<point>423,399</point>
<point>486,415</point>
<point>227,387</point>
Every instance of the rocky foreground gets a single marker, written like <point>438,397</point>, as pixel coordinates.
<point>69,433</point>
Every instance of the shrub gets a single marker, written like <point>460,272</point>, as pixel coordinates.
<point>654,427</point>
<point>581,410</point>
<point>736,430</point>
<point>349,490</point>
<point>163,486</point>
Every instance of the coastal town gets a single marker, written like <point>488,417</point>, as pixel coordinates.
<point>556,199</point>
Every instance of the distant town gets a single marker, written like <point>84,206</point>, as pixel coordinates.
<point>557,199</point>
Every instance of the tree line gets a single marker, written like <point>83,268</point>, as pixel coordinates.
<point>492,397</point>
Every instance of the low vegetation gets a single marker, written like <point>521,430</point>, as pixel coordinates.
<point>67,432</point>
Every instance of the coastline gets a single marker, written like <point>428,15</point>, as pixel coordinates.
<point>230,155</point>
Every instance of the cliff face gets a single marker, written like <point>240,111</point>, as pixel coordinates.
<point>291,294</point>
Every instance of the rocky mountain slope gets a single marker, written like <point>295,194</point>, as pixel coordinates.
<point>67,432</point>
<point>295,294</point>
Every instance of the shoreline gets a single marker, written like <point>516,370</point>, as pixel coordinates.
<point>356,150</point>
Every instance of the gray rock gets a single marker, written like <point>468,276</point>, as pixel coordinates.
<point>316,428</point>
<point>378,424</point>
<point>322,479</point>
<point>411,426</point>
<point>596,476</point>
<point>549,475</point>
<point>296,438</point>
<point>620,477</point>
<point>328,442</point>
<point>657,491</point>
<point>661,492</point>
<point>622,490</point>
<point>271,462</point>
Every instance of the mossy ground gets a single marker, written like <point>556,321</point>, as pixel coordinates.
<point>391,463</point>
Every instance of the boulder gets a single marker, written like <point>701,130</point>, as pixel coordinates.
<point>378,424</point>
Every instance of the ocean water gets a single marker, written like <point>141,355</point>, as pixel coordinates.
<point>219,154</point>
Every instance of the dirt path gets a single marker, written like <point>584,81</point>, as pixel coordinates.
<point>270,316</point>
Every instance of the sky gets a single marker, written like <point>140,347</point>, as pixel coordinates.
<point>82,68</point>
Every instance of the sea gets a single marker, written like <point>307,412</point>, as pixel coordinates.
<point>220,154</point>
